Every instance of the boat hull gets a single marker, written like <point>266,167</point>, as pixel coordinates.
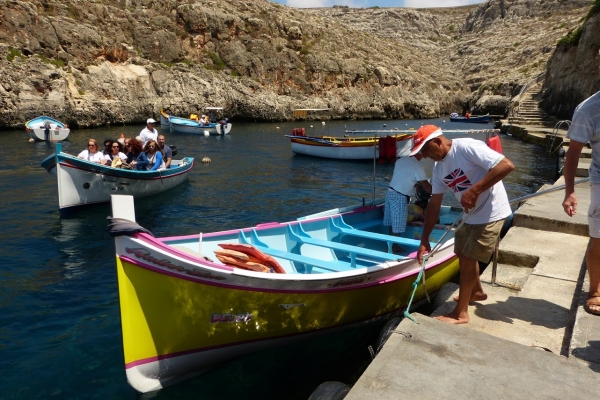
<point>182,315</point>
<point>184,125</point>
<point>364,149</point>
<point>82,183</point>
<point>56,133</point>
<point>164,121</point>
<point>482,119</point>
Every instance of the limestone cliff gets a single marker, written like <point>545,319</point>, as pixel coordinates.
<point>120,61</point>
<point>574,69</point>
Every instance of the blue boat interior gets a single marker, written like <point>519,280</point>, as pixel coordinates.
<point>332,244</point>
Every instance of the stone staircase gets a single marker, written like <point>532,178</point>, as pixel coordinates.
<point>527,112</point>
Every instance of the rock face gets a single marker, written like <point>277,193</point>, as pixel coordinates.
<point>574,69</point>
<point>120,61</point>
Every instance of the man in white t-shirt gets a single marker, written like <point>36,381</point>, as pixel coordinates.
<point>407,172</point>
<point>474,172</point>
<point>584,129</point>
<point>149,132</point>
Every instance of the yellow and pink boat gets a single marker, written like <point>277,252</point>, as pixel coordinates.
<point>184,310</point>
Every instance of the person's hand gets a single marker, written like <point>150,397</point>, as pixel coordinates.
<point>468,200</point>
<point>570,204</point>
<point>423,248</point>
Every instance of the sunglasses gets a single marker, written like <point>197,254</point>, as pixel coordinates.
<point>115,147</point>
<point>152,147</point>
<point>91,145</point>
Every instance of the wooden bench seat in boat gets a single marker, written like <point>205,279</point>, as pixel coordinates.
<point>338,225</point>
<point>353,251</point>
<point>327,266</point>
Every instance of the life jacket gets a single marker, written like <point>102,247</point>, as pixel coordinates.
<point>494,144</point>
<point>194,117</point>
<point>254,256</point>
<point>387,149</point>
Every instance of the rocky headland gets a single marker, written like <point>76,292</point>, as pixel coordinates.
<point>92,63</point>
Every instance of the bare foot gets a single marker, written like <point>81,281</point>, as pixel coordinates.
<point>454,319</point>
<point>479,296</point>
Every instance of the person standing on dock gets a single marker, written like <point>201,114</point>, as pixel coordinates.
<point>584,129</point>
<point>474,172</point>
<point>408,171</point>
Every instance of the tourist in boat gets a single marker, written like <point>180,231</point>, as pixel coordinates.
<point>91,153</point>
<point>408,171</point>
<point>467,114</point>
<point>583,130</point>
<point>107,143</point>
<point>154,156</point>
<point>116,156</point>
<point>204,120</point>
<point>135,156</point>
<point>474,172</point>
<point>149,132</point>
<point>166,151</point>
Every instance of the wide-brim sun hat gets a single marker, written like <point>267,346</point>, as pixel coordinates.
<point>423,135</point>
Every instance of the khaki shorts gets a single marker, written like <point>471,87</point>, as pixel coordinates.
<point>594,211</point>
<point>477,241</point>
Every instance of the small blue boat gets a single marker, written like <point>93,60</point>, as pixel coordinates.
<point>82,183</point>
<point>47,129</point>
<point>480,119</point>
<point>189,125</point>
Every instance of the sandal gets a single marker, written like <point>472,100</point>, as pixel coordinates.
<point>592,304</point>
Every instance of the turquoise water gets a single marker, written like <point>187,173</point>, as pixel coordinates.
<point>59,321</point>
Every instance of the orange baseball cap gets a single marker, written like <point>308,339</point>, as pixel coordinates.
<point>422,136</point>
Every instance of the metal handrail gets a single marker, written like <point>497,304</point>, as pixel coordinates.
<point>555,133</point>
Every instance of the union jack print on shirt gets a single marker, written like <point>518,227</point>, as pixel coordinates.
<point>457,181</point>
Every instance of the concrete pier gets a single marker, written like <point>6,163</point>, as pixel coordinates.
<point>531,338</point>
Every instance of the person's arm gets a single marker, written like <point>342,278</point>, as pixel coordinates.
<point>157,161</point>
<point>494,175</point>
<point>431,217</point>
<point>425,185</point>
<point>142,162</point>
<point>570,168</point>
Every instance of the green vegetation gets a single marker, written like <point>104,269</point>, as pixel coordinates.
<point>594,10</point>
<point>451,28</point>
<point>56,63</point>
<point>571,39</point>
<point>279,48</point>
<point>218,64</point>
<point>12,53</point>
<point>81,92</point>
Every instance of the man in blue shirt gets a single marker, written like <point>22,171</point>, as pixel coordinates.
<point>166,150</point>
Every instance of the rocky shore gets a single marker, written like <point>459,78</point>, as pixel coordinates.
<point>120,61</point>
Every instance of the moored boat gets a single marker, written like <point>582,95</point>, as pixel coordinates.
<point>346,147</point>
<point>185,308</point>
<point>82,183</point>
<point>165,122</point>
<point>480,119</point>
<point>365,144</point>
<point>48,129</point>
<point>193,125</point>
